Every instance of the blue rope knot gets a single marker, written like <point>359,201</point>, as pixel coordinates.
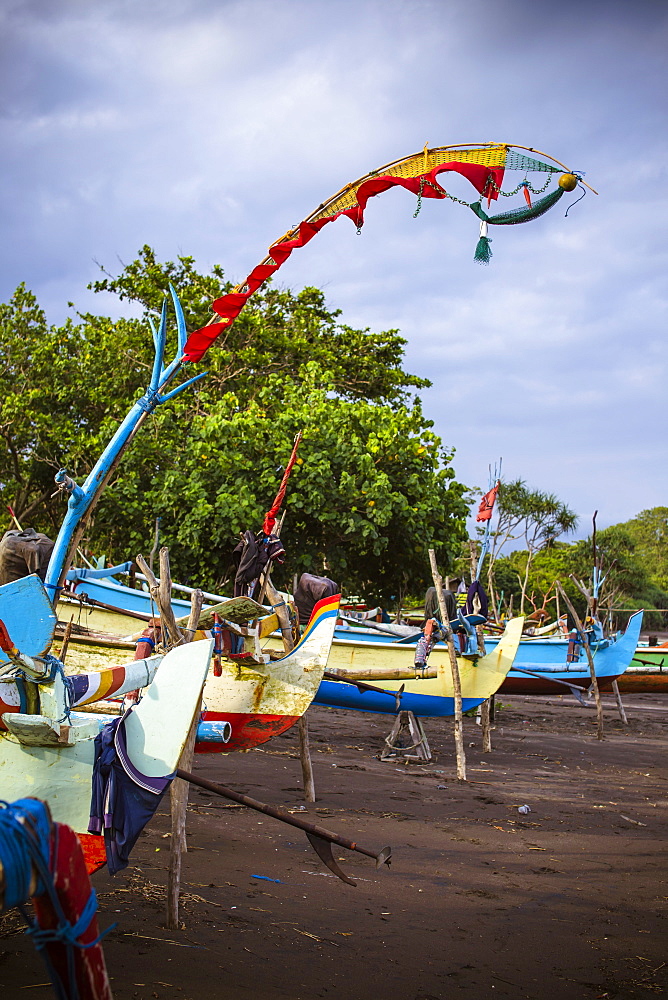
<point>68,934</point>
<point>148,639</point>
<point>149,400</point>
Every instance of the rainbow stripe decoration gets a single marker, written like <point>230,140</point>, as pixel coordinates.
<point>327,608</point>
<point>484,165</point>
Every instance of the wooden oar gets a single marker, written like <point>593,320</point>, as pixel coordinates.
<point>320,838</point>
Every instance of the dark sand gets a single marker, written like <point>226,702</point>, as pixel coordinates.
<point>568,901</point>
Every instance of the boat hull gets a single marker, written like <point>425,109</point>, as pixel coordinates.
<point>425,696</point>
<point>248,730</point>
<point>545,658</point>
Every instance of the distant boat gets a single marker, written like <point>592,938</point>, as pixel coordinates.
<point>541,665</point>
<point>647,672</point>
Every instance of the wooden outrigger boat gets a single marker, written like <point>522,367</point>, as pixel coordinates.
<point>390,666</point>
<point>541,666</point>
<point>648,671</point>
<point>47,748</point>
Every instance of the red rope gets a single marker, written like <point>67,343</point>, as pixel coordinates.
<point>270,516</point>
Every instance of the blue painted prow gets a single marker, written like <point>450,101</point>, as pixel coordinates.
<point>28,616</point>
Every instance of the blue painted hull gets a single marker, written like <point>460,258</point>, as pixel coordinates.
<point>335,694</point>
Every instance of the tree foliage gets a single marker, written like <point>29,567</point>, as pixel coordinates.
<point>534,515</point>
<point>628,581</point>
<point>373,488</point>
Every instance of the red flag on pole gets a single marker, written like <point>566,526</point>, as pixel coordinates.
<point>487,504</point>
<point>270,516</point>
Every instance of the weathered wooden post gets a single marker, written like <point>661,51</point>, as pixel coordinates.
<point>620,705</point>
<point>162,595</point>
<point>456,682</point>
<point>590,659</point>
<point>485,720</point>
<point>592,606</point>
<point>286,631</point>
<point>178,793</point>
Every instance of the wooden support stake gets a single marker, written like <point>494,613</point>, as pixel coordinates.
<point>178,793</point>
<point>288,644</point>
<point>620,706</point>
<point>162,595</point>
<point>590,660</point>
<point>485,721</point>
<point>456,682</point>
<point>305,758</point>
<point>66,640</point>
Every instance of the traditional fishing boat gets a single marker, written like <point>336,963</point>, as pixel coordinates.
<point>48,749</point>
<point>648,671</point>
<point>389,666</point>
<point>541,665</point>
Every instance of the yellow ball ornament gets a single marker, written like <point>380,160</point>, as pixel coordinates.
<point>568,182</point>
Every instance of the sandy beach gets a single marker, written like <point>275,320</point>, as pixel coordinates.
<point>567,901</point>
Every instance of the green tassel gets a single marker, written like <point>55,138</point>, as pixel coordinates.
<point>483,251</point>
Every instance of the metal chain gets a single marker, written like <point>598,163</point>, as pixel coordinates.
<point>505,194</point>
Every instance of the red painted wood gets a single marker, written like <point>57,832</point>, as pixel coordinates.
<point>543,685</point>
<point>248,731</point>
<point>94,851</point>
<point>73,888</point>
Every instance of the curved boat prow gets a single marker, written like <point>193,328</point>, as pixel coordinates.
<point>509,642</point>
<point>631,633</point>
<point>491,670</point>
<point>265,700</point>
<point>312,650</point>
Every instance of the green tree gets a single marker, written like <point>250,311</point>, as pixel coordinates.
<point>373,490</point>
<point>539,517</point>
<point>649,533</point>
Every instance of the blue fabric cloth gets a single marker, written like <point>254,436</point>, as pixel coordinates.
<point>123,801</point>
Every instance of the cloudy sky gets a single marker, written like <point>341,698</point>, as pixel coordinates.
<point>209,127</point>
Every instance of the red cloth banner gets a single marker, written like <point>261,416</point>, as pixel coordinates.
<point>487,504</point>
<point>270,516</point>
<point>486,180</point>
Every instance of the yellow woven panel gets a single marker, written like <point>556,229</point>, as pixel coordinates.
<point>413,166</point>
